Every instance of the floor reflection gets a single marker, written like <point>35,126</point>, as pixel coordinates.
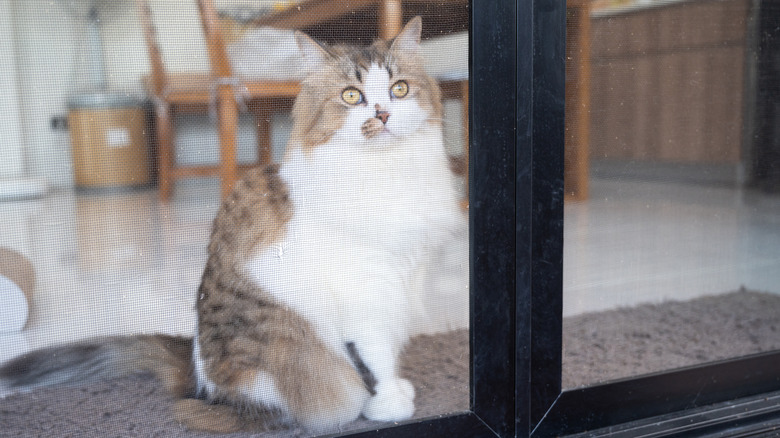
<point>125,263</point>
<point>109,263</point>
<point>646,242</point>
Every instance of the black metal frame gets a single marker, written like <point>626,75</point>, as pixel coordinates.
<point>516,210</point>
<point>764,139</point>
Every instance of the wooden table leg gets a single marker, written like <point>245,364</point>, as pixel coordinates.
<point>228,127</point>
<point>166,158</point>
<point>390,19</point>
<point>464,99</point>
<point>263,130</point>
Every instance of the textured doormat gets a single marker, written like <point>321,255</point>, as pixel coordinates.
<point>603,346</point>
<point>597,347</point>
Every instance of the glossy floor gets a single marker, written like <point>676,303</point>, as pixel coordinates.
<point>125,263</point>
<point>639,241</point>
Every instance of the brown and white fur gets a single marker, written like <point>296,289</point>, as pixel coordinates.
<point>321,268</point>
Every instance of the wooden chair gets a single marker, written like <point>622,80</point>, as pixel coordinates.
<point>199,91</point>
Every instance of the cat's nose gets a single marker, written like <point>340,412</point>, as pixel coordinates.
<point>382,115</point>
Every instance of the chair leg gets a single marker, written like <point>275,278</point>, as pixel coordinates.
<point>464,98</point>
<point>228,126</point>
<point>165,153</point>
<point>263,114</point>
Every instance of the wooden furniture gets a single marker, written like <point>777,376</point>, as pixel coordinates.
<point>219,87</point>
<point>577,116</point>
<point>366,20</point>
<point>170,92</point>
<point>668,83</point>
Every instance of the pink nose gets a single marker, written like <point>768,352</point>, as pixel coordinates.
<point>383,116</point>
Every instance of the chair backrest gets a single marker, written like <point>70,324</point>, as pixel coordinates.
<point>215,42</point>
<point>159,79</point>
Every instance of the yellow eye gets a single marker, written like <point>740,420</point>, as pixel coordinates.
<point>352,96</point>
<point>400,89</point>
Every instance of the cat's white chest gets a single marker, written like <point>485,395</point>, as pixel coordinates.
<point>363,223</point>
<point>376,195</point>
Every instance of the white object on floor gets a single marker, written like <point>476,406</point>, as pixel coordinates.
<point>17,283</point>
<point>14,307</point>
<point>22,188</point>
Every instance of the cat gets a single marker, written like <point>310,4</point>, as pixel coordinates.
<point>320,268</point>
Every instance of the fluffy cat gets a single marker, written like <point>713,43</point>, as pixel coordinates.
<point>321,268</point>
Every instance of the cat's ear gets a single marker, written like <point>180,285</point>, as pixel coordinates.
<point>313,52</point>
<point>409,39</point>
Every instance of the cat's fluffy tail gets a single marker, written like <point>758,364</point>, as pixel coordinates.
<point>166,357</point>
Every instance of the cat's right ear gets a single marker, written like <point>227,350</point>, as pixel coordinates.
<point>313,52</point>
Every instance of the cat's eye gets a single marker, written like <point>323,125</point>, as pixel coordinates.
<point>352,96</point>
<point>399,89</point>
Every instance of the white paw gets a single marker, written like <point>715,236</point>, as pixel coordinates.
<point>394,401</point>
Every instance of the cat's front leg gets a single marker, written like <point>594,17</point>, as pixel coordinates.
<point>392,396</point>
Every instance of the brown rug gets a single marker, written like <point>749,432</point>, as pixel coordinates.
<point>603,346</point>
<point>597,347</point>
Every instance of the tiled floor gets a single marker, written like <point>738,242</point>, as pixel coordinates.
<point>124,263</point>
<point>109,264</point>
<point>640,241</point>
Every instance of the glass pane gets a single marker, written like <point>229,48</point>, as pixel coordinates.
<point>331,289</point>
<point>672,236</point>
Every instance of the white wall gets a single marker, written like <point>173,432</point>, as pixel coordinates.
<point>45,55</point>
<point>11,146</point>
<point>40,45</point>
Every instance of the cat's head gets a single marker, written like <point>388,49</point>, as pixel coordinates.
<point>365,94</point>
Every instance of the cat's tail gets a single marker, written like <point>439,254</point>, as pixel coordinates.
<point>168,358</point>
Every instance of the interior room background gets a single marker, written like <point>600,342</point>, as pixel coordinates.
<point>671,226</point>
<point>44,49</point>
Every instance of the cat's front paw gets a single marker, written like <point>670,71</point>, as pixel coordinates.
<point>393,401</point>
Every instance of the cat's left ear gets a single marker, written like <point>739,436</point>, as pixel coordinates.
<point>409,39</point>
